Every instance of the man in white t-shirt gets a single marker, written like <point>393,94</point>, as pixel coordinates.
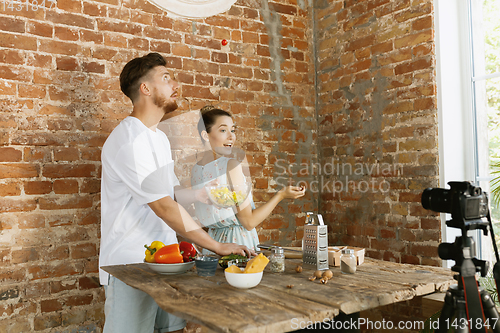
<point>137,198</point>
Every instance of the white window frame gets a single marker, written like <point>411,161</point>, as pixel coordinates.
<point>459,151</point>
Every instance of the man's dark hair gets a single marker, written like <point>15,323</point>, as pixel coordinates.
<point>135,70</point>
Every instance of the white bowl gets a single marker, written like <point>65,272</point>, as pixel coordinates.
<point>170,268</point>
<point>226,196</point>
<point>243,280</point>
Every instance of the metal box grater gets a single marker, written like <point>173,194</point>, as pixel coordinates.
<point>315,243</point>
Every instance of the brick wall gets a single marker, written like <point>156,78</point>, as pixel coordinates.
<point>60,98</point>
<point>377,116</point>
<point>355,86</point>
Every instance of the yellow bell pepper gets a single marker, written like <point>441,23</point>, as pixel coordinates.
<point>151,250</point>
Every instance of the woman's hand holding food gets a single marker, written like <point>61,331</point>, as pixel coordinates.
<point>292,192</point>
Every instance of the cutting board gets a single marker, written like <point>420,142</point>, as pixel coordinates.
<point>288,254</point>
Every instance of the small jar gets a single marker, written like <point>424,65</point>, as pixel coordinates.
<point>277,260</point>
<point>348,261</point>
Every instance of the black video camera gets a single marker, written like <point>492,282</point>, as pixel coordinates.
<point>466,203</point>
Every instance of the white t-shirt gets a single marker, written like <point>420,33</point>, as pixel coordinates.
<point>137,168</point>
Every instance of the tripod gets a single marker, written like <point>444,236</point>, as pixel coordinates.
<point>466,304</point>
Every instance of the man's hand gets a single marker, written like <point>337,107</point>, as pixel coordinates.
<point>225,249</point>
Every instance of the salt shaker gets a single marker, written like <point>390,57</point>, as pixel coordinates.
<point>277,260</point>
<point>348,261</point>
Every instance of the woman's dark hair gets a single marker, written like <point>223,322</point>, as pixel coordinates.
<point>135,70</point>
<point>209,115</point>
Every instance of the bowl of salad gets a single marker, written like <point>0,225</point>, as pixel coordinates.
<point>226,196</point>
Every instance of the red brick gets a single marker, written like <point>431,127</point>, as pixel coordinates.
<point>18,170</point>
<point>93,9</point>
<point>31,221</point>
<point>197,92</point>
<point>37,139</point>
<point>68,170</point>
<point>25,255</point>
<point>70,19</point>
<point>219,57</point>
<point>93,217</point>
<point>82,251</point>
<point>59,286</point>
<point>15,73</point>
<point>159,46</point>
<point>7,88</point>
<point>73,6</point>
<point>88,282</point>
<point>39,60</point>
<point>12,24</point>
<point>9,154</point>
<point>39,29</point>
<point>53,270</point>
<point>51,305</point>
<point>38,154</point>
<point>91,154</point>
<point>8,205</point>
<point>66,154</point>
<point>68,34</point>
<point>67,64</point>
<point>31,91</point>
<point>65,202</point>
<point>274,223</point>
<point>11,274</point>
<point>79,300</point>
<point>14,57</point>
<point>10,189</point>
<point>47,321</point>
<point>57,47</point>
<point>65,186</point>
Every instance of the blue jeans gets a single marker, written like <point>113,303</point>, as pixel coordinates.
<point>133,311</point>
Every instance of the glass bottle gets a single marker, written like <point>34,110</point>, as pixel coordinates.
<point>277,260</point>
<point>348,261</point>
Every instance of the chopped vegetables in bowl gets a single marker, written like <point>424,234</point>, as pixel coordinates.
<point>226,196</point>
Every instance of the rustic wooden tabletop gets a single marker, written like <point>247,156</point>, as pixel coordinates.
<point>284,299</point>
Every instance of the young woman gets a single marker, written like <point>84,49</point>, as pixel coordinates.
<point>228,225</point>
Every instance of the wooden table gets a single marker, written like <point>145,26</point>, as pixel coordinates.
<point>274,307</point>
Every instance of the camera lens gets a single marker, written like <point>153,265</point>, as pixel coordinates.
<point>436,199</point>
<point>448,251</point>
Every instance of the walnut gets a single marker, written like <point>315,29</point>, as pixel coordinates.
<point>327,274</point>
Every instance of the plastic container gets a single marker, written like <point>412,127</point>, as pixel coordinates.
<point>348,261</point>
<point>206,266</point>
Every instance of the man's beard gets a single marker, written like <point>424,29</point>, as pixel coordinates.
<point>161,102</point>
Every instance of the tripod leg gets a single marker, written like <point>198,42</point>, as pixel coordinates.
<point>461,324</point>
<point>490,311</point>
<point>446,313</point>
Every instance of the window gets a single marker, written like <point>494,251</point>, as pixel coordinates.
<point>468,68</point>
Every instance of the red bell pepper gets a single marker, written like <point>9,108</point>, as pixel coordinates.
<point>169,254</point>
<point>188,251</point>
